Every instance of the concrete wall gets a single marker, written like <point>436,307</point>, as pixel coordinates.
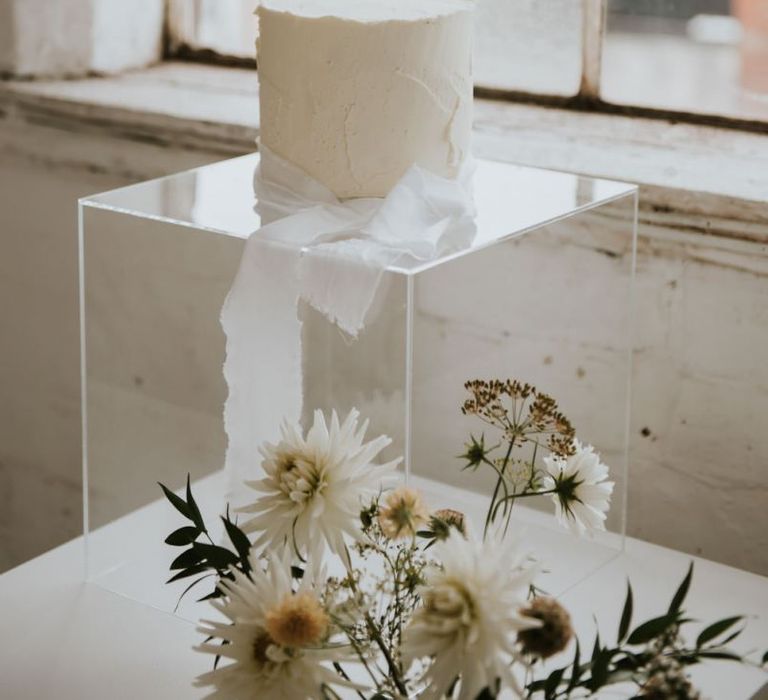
<point>39,357</point>
<point>699,474</point>
<point>40,463</point>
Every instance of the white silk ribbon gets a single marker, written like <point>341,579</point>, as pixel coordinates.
<point>330,253</point>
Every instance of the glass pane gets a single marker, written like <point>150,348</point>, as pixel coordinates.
<point>525,45</point>
<point>549,307</point>
<point>227,27</point>
<point>703,56</point>
<point>529,45</point>
<point>540,293</point>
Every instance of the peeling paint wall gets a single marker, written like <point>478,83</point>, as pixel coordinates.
<point>699,450</point>
<point>699,453</point>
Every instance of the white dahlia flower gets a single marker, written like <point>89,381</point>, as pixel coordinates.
<point>582,495</point>
<point>315,486</point>
<point>470,616</point>
<point>277,640</point>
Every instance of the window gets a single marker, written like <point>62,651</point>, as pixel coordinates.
<point>690,57</point>
<point>706,56</point>
<point>224,27</point>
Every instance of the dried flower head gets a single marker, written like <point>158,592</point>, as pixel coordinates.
<point>521,411</point>
<point>403,514</point>
<point>298,621</point>
<point>450,519</point>
<point>555,631</point>
<point>667,681</point>
<point>486,401</point>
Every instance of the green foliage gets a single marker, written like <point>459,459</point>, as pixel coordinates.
<point>476,452</point>
<point>652,629</point>
<point>182,537</point>
<point>682,592</point>
<point>575,669</point>
<point>373,620</point>
<point>206,558</point>
<point>635,650</point>
<point>626,615</point>
<point>718,628</point>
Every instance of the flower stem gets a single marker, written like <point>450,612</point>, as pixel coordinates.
<point>340,670</point>
<point>528,494</point>
<point>376,636</point>
<point>499,483</point>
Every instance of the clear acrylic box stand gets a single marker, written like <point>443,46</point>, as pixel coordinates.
<point>543,295</point>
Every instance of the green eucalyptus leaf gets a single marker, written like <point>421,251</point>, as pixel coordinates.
<point>189,557</point>
<point>177,501</point>
<point>730,637</point>
<point>626,615</point>
<point>215,593</point>
<point>716,629</point>
<point>576,672</point>
<point>182,537</point>
<point>219,557</point>
<point>597,648</point>
<point>652,628</point>
<point>714,654</point>
<point>552,682</point>
<point>688,659</point>
<point>194,511</point>
<point>191,571</point>
<point>240,541</point>
<point>187,590</point>
<point>600,670</point>
<point>682,591</point>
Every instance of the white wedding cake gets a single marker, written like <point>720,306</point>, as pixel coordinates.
<point>354,92</point>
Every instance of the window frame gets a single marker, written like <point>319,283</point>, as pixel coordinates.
<point>180,18</point>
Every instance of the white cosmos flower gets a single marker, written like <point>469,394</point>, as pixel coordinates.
<point>316,485</point>
<point>277,640</point>
<point>470,615</point>
<point>582,495</point>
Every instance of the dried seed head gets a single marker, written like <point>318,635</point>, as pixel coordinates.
<point>403,514</point>
<point>445,519</point>
<point>667,680</point>
<point>554,633</point>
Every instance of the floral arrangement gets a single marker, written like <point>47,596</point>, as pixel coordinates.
<point>338,583</point>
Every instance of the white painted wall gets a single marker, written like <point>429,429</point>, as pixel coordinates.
<point>698,473</point>
<point>74,37</point>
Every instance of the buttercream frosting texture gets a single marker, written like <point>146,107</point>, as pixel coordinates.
<point>354,92</point>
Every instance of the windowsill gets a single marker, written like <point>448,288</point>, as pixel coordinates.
<point>717,176</point>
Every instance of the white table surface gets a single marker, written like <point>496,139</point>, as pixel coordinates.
<point>69,640</point>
